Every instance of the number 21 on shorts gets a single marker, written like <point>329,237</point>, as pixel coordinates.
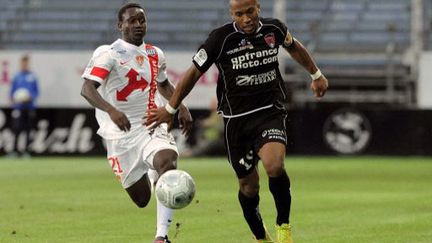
<point>115,165</point>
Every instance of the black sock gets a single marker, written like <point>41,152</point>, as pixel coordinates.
<point>252,215</point>
<point>280,188</point>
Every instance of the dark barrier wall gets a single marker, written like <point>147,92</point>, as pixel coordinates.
<point>321,130</point>
<point>61,132</point>
<point>360,130</point>
<point>56,131</point>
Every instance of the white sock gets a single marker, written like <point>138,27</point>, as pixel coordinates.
<point>164,217</point>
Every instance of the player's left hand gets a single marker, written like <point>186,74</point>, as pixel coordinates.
<point>319,86</point>
<point>185,120</point>
<point>158,116</point>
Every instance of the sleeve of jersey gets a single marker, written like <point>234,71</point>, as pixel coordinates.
<point>99,66</point>
<point>34,89</point>
<point>207,53</point>
<point>286,38</point>
<point>162,72</point>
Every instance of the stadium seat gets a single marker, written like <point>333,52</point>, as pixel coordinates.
<point>308,19</point>
<point>330,28</point>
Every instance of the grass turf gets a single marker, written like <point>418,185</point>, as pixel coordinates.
<point>335,199</point>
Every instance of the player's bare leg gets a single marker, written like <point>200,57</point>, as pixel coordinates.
<point>273,156</point>
<point>163,161</point>
<point>140,191</point>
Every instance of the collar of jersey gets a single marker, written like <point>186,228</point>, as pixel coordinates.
<point>240,31</point>
<point>132,46</point>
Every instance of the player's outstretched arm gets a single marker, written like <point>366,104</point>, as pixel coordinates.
<point>166,89</point>
<point>300,54</point>
<point>165,114</point>
<point>90,93</point>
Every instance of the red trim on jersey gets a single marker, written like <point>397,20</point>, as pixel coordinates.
<point>154,68</point>
<point>99,72</point>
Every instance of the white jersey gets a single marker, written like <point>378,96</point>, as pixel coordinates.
<point>128,76</point>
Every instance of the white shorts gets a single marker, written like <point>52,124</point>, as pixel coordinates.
<point>132,157</point>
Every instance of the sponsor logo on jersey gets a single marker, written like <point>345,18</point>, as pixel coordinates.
<point>270,40</point>
<point>201,57</point>
<point>124,62</point>
<point>274,133</point>
<point>140,59</point>
<point>249,80</point>
<point>255,59</point>
<point>243,45</point>
<point>151,51</point>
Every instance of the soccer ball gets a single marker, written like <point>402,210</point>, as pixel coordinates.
<point>175,189</point>
<point>21,95</point>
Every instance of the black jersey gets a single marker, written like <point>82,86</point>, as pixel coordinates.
<point>249,76</point>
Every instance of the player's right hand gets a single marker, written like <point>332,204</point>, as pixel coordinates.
<point>120,119</point>
<point>157,117</point>
<point>319,86</point>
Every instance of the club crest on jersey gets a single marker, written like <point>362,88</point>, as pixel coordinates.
<point>270,40</point>
<point>140,59</point>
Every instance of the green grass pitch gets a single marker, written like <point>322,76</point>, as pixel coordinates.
<point>335,199</point>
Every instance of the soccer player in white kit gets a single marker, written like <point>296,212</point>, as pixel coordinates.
<point>123,81</point>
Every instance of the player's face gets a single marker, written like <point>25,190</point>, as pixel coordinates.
<point>245,14</point>
<point>134,25</point>
<point>25,64</point>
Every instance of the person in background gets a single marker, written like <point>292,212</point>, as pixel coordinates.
<point>210,138</point>
<point>23,94</point>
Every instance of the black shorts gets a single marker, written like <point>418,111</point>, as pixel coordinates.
<point>245,135</point>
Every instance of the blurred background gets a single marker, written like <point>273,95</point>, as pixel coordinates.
<point>377,55</point>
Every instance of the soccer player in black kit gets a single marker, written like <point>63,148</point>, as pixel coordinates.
<point>251,94</point>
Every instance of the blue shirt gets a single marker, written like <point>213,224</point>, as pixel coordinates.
<point>25,79</point>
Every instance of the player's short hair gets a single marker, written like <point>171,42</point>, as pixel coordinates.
<point>123,9</point>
